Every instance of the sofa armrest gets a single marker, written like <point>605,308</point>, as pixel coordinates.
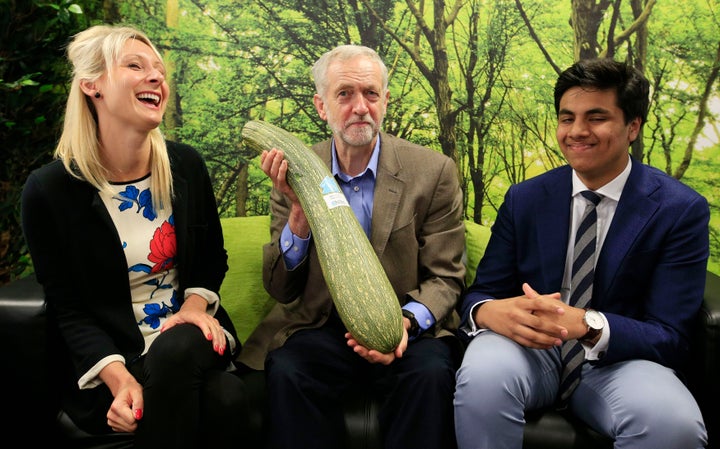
<point>705,369</point>
<point>24,345</point>
<point>710,324</point>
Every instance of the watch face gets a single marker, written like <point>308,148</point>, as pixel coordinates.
<point>594,319</point>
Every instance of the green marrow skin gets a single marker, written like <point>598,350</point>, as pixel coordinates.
<point>361,291</point>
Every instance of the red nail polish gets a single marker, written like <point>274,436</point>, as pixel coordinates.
<point>138,414</point>
<point>209,336</point>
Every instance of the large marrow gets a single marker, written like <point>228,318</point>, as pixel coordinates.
<point>361,291</point>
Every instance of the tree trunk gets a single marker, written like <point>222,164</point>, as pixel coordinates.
<point>640,58</point>
<point>241,194</point>
<point>172,119</point>
<point>587,15</point>
<point>702,113</point>
<point>437,76</point>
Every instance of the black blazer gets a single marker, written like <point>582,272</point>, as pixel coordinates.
<point>79,261</point>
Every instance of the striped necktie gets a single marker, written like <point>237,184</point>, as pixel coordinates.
<point>583,269</point>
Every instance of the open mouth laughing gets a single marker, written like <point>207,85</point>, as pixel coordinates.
<point>149,98</point>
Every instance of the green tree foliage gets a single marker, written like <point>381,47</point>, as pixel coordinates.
<point>33,80</point>
<point>492,64</point>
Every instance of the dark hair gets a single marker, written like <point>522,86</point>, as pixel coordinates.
<point>631,86</point>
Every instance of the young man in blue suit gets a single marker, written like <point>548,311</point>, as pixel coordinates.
<point>643,290</point>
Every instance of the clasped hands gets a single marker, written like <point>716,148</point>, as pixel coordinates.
<point>534,320</point>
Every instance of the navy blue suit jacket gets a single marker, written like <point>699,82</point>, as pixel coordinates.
<point>650,272</point>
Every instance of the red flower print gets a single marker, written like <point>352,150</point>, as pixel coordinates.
<point>163,248</point>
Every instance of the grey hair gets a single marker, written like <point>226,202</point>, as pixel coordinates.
<point>343,53</point>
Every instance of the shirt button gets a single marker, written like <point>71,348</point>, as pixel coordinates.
<point>356,188</point>
<point>286,243</point>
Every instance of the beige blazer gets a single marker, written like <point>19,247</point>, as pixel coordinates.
<point>418,234</point>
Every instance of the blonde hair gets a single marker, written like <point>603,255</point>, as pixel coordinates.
<point>92,52</point>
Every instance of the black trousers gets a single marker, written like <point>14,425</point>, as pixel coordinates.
<point>311,373</point>
<point>190,399</point>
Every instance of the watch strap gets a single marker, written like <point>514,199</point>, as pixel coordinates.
<point>591,332</point>
<point>590,335</point>
<point>414,326</point>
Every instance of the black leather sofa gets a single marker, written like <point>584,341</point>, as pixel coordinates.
<point>31,416</point>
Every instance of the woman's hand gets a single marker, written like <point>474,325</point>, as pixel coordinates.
<point>194,311</point>
<point>127,407</point>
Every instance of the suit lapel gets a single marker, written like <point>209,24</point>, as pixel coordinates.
<point>180,215</point>
<point>98,207</point>
<point>553,224</point>
<point>389,189</point>
<point>633,212</point>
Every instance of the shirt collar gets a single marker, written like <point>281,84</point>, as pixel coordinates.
<point>372,164</point>
<point>612,189</point>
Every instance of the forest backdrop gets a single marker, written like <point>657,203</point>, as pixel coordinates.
<point>470,78</point>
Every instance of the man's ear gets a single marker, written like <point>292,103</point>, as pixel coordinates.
<point>634,129</point>
<point>320,106</point>
<point>385,103</point>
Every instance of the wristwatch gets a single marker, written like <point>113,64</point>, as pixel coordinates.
<point>594,322</point>
<point>414,326</point>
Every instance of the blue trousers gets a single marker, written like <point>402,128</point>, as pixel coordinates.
<point>638,403</point>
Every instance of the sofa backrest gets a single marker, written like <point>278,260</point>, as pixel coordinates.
<point>242,293</point>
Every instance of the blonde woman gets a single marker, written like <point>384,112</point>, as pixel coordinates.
<point>126,240</point>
